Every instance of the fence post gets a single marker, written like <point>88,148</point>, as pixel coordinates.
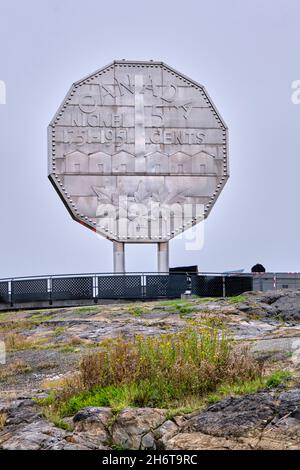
<point>50,290</point>
<point>10,295</point>
<point>188,286</point>
<point>260,282</point>
<point>95,297</point>
<point>143,286</point>
<point>224,286</point>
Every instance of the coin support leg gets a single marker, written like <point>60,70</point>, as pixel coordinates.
<point>119,257</point>
<point>163,257</point>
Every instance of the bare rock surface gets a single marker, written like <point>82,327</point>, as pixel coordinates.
<point>199,441</point>
<point>284,303</point>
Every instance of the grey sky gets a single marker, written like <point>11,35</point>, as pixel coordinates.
<point>246,54</point>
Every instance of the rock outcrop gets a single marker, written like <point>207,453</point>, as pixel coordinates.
<point>267,323</point>
<point>264,420</point>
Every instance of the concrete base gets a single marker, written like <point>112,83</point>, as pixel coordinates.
<point>163,257</point>
<point>119,257</point>
<point>186,295</point>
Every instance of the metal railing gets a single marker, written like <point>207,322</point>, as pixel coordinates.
<point>94,286</point>
<point>275,281</point>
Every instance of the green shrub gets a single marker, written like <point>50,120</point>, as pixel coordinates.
<point>180,372</point>
<point>161,371</point>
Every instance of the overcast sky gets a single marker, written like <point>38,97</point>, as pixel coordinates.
<point>246,53</point>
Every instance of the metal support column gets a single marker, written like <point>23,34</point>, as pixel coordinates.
<point>163,257</point>
<point>119,257</point>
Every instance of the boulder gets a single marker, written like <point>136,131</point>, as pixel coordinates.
<point>92,419</point>
<point>165,432</point>
<point>234,416</point>
<point>34,436</point>
<point>133,427</point>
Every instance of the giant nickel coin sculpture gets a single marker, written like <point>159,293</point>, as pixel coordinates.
<point>138,153</point>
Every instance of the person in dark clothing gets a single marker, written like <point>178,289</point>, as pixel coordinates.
<point>258,268</point>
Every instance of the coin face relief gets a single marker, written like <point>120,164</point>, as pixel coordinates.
<point>138,152</point>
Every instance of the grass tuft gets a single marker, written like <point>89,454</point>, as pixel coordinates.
<point>277,378</point>
<point>91,309</point>
<point>237,299</point>
<point>18,342</point>
<point>136,311</point>
<point>8,371</point>
<point>58,331</point>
